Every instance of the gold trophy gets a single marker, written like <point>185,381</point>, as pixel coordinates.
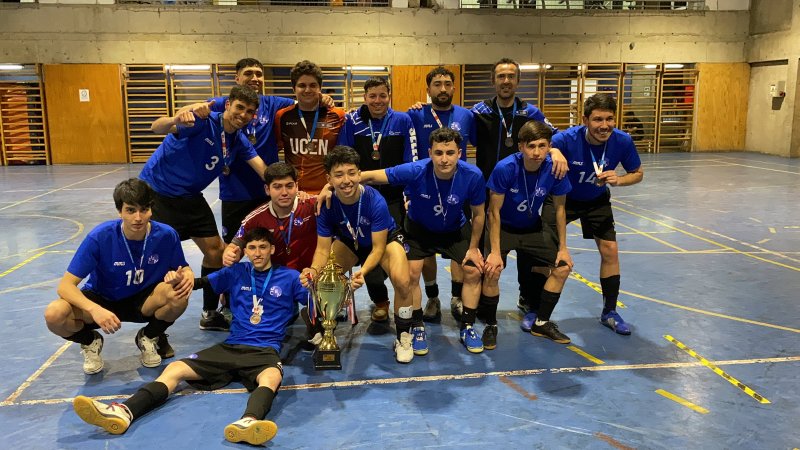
<point>330,291</point>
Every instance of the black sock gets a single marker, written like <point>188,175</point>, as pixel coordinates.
<point>416,318</point>
<point>432,290</point>
<point>147,398</point>
<point>210,298</point>
<point>84,337</point>
<point>610,287</point>
<point>376,286</point>
<point>468,317</point>
<point>488,307</point>
<point>259,403</point>
<point>531,290</point>
<point>548,304</point>
<point>402,325</point>
<point>156,327</point>
<point>455,288</point>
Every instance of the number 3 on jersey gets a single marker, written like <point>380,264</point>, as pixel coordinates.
<point>213,164</point>
<point>135,277</point>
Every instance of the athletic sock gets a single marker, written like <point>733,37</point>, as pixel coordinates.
<point>610,287</point>
<point>259,403</point>
<point>147,398</point>
<point>210,298</point>
<point>548,304</point>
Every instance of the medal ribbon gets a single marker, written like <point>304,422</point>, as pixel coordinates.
<point>287,236</point>
<point>509,131</point>
<point>384,122</point>
<point>128,248</point>
<point>598,168</point>
<point>354,231</point>
<point>442,207</point>
<point>535,188</point>
<point>314,126</point>
<point>439,122</point>
<point>256,302</point>
<point>226,160</point>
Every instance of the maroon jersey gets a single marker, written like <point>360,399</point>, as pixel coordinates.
<point>299,229</point>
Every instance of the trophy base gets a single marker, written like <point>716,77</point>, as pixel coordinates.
<point>327,360</point>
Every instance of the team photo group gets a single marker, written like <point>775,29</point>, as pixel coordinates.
<point>308,189</point>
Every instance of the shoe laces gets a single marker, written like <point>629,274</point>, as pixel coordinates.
<point>419,333</point>
<point>94,347</point>
<point>469,331</point>
<point>148,344</point>
<point>405,339</point>
<point>614,315</point>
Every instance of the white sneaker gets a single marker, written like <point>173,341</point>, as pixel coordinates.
<point>252,431</point>
<point>316,339</point>
<point>149,348</point>
<point>114,418</point>
<point>92,361</point>
<point>403,350</point>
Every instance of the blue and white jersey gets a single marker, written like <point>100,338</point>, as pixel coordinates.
<point>244,183</point>
<point>524,191</point>
<point>343,221</point>
<point>619,149</point>
<point>438,205</point>
<point>116,274</point>
<point>188,161</point>
<point>457,118</point>
<point>276,292</point>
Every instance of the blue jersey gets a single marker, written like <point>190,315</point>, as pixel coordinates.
<point>524,191</point>
<point>116,274</point>
<point>244,183</point>
<point>573,144</point>
<point>438,205</point>
<point>275,302</point>
<point>457,118</point>
<point>189,160</point>
<point>374,217</point>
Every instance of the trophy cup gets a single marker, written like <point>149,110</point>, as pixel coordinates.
<point>330,292</point>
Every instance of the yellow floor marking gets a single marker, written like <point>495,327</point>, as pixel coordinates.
<point>773,230</point>
<point>716,251</point>
<point>763,241</point>
<point>59,189</point>
<point>21,264</point>
<point>26,384</point>
<point>746,389</point>
<point>585,355</point>
<point>73,236</point>
<point>430,378</point>
<point>515,315</point>
<point>28,286</point>
<point>710,313</point>
<point>682,401</point>
<point>754,219</point>
<point>660,241</point>
<point>597,288</point>
<point>769,261</point>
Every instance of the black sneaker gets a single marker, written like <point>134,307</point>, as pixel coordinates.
<point>163,348</point>
<point>550,331</point>
<point>214,321</point>
<point>522,305</point>
<point>489,337</point>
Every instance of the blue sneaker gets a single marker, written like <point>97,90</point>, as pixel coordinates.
<point>614,321</point>
<point>420,341</point>
<point>527,322</point>
<point>471,340</point>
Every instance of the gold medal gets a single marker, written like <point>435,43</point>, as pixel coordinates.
<point>255,319</point>
<point>252,138</point>
<point>376,155</point>
<point>310,147</point>
<point>226,170</point>
<point>509,141</point>
<point>288,251</point>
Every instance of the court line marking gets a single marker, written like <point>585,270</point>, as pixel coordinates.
<point>682,401</point>
<point>519,389</point>
<point>715,251</point>
<point>660,241</point>
<point>430,378</point>
<point>730,379</point>
<point>28,286</point>
<point>21,264</point>
<point>26,384</point>
<point>73,236</point>
<point>585,355</point>
<point>761,168</point>
<point>597,288</point>
<point>59,189</point>
<point>594,286</point>
<point>769,261</point>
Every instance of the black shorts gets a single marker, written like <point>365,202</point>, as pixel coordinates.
<point>597,218</point>
<point>221,364</point>
<point>423,243</point>
<point>539,244</point>
<point>128,309</point>
<point>233,213</point>
<point>362,253</point>
<point>190,216</point>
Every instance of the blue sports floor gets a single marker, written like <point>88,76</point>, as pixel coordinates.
<point>710,252</point>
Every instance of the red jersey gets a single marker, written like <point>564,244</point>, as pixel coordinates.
<point>292,135</point>
<point>299,229</point>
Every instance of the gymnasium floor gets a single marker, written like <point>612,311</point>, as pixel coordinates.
<point>710,260</point>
